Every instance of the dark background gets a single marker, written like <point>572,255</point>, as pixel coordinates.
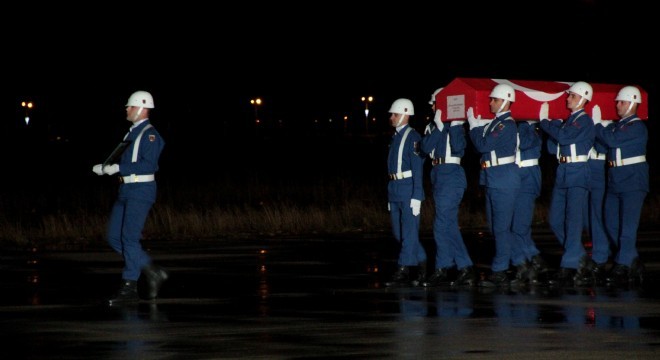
<point>310,63</point>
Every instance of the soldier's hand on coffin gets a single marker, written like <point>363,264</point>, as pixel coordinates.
<point>532,122</point>
<point>457,123</point>
<point>606,123</point>
<point>472,121</point>
<point>595,115</point>
<point>111,169</point>
<point>543,112</point>
<point>98,169</point>
<point>437,119</point>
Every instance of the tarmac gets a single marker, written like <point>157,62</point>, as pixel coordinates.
<point>317,297</point>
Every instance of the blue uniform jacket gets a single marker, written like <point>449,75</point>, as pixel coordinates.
<point>499,136</point>
<point>530,148</point>
<point>434,144</point>
<point>578,130</point>
<point>150,148</point>
<point>630,135</point>
<point>411,160</point>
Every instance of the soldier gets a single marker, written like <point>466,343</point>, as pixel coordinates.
<point>574,138</point>
<point>405,194</point>
<point>445,145</point>
<point>627,183</point>
<point>137,194</point>
<point>497,143</point>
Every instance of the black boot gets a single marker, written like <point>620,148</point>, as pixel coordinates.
<point>127,293</point>
<point>438,278</point>
<point>585,272</point>
<point>421,275</point>
<point>467,276</point>
<point>155,276</point>
<point>400,278</point>
<point>525,274</point>
<point>636,275</point>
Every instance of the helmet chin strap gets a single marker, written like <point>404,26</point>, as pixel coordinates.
<point>501,106</point>
<point>629,108</point>
<point>400,120</point>
<point>137,114</point>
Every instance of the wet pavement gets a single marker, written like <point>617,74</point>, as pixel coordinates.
<point>292,298</point>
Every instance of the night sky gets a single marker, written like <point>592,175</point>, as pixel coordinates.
<point>309,63</point>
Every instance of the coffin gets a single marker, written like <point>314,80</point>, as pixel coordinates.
<point>462,93</point>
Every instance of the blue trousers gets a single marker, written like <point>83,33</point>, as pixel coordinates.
<point>524,247</point>
<point>405,228</point>
<point>450,247</point>
<point>600,244</point>
<point>622,212</point>
<point>127,220</point>
<point>566,222</point>
<point>500,205</point>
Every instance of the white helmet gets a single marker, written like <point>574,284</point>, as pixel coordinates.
<point>504,92</point>
<point>402,106</point>
<point>433,96</point>
<point>581,88</point>
<point>141,99</point>
<point>629,93</point>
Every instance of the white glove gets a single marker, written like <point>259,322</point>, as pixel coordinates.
<point>474,122</point>
<point>111,169</point>
<point>388,206</point>
<point>606,123</point>
<point>437,119</point>
<point>98,169</point>
<point>532,122</point>
<point>457,123</point>
<point>596,116</point>
<point>416,206</point>
<point>543,112</point>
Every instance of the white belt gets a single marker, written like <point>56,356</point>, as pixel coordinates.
<point>500,161</point>
<point>446,160</point>
<point>137,178</point>
<point>401,175</point>
<point>627,161</point>
<point>577,158</point>
<point>528,162</point>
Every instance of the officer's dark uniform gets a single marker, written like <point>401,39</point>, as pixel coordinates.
<point>497,143</point>
<point>137,194</point>
<point>525,252</point>
<point>574,137</point>
<point>627,185</point>
<point>405,167</point>
<point>446,147</point>
<point>600,245</point>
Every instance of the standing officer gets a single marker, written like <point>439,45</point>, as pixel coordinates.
<point>574,139</point>
<point>137,194</point>
<point>405,194</point>
<point>627,183</point>
<point>498,144</point>
<point>445,145</point>
<point>594,209</point>
<point>532,265</point>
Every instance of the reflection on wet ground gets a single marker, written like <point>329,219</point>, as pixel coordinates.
<point>313,298</point>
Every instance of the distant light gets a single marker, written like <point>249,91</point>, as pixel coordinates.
<point>27,120</point>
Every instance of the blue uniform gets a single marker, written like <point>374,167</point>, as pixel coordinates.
<point>530,189</point>
<point>574,138</point>
<point>594,211</point>
<point>137,194</point>
<point>405,165</point>
<point>627,183</point>
<point>497,143</point>
<point>446,148</point>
